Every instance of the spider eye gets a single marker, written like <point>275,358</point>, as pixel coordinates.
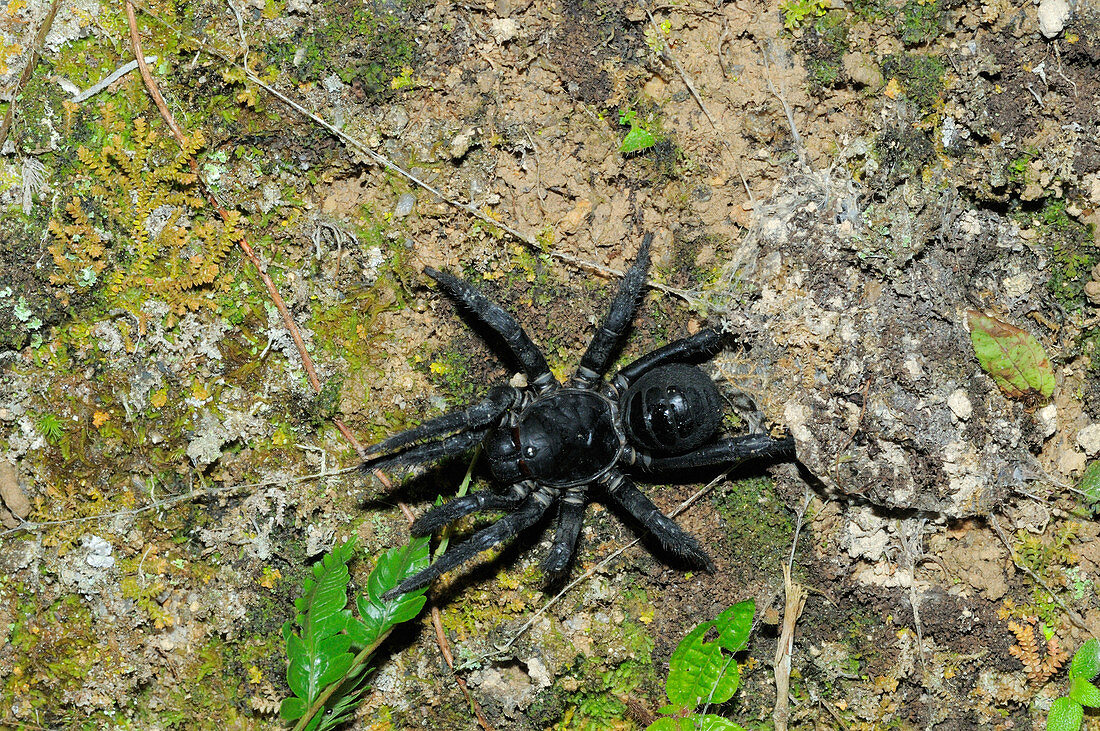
<point>529,452</point>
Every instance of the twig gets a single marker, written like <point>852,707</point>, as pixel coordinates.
<point>109,79</point>
<point>32,61</point>
<point>32,526</point>
<point>792,609</point>
<point>667,53</point>
<point>801,515</point>
<point>912,549</point>
<point>786,109</point>
<point>242,242</point>
<point>445,649</point>
<point>437,616</point>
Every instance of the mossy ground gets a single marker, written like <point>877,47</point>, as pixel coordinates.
<point>144,360</point>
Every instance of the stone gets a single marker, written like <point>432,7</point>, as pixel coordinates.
<point>1048,420</point>
<point>960,405</point>
<point>1053,16</point>
<point>862,70</point>
<point>1089,439</point>
<point>406,202</point>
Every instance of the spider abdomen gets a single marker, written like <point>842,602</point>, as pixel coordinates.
<point>562,438</point>
<point>672,409</point>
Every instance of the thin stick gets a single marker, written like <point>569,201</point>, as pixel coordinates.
<point>1076,618</point>
<point>32,61</point>
<point>32,526</point>
<point>109,79</point>
<point>437,616</point>
<point>667,53</point>
<point>242,242</point>
<point>792,609</point>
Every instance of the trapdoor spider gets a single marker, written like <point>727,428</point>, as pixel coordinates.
<point>549,443</point>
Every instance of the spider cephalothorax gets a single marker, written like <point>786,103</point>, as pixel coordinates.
<point>549,443</point>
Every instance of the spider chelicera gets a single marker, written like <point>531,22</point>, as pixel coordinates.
<point>549,443</point>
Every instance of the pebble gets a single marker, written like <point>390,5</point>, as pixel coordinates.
<point>1053,16</point>
<point>460,145</point>
<point>1048,420</point>
<point>960,405</point>
<point>1089,439</point>
<point>1092,291</point>
<point>405,204</point>
<point>11,494</point>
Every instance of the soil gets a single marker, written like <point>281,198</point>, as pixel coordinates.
<point>842,187</point>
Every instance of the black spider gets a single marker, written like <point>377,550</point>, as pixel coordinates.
<point>547,443</point>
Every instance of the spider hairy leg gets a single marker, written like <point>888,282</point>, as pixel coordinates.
<point>526,515</point>
<point>460,507</point>
<point>570,522</point>
<point>672,538</point>
<point>725,453</point>
<point>519,343</point>
<point>701,346</point>
<point>449,447</point>
<point>607,339</point>
<point>479,415</point>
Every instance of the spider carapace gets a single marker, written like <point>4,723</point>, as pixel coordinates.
<point>550,444</point>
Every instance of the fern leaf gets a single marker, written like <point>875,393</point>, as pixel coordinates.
<point>319,654</point>
<point>377,616</point>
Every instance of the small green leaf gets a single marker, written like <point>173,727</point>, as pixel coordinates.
<point>1090,486</point>
<point>318,652</point>
<point>393,567</point>
<point>397,564</point>
<point>1086,661</point>
<point>700,673</point>
<point>734,625</point>
<point>292,709</point>
<point>1084,692</point>
<point>1012,357</point>
<point>1065,714</point>
<point>664,724</point>
<point>711,722</point>
<point>636,140</point>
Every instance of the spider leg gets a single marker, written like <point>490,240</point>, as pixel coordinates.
<point>570,522</point>
<point>700,346</point>
<point>448,447</point>
<point>671,537</point>
<point>723,453</point>
<point>606,340</point>
<point>460,507</point>
<point>522,347</point>
<point>481,414</point>
<point>526,515</point>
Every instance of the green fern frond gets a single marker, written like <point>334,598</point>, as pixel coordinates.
<point>323,672</point>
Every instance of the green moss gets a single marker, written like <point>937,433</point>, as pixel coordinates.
<point>871,10</point>
<point>1072,249</point>
<point>759,525</point>
<point>367,46</point>
<point>921,78</point>
<point>596,690</point>
<point>825,44</point>
<point>1017,169</point>
<point>55,649</point>
<point>920,21</point>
